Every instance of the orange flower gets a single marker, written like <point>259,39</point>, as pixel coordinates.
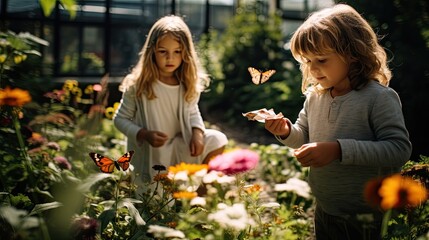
<point>14,97</point>
<point>163,178</point>
<point>371,192</point>
<point>253,188</point>
<point>184,195</point>
<point>397,191</point>
<point>172,224</point>
<point>189,167</point>
<point>160,177</point>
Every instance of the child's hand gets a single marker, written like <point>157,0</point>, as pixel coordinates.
<point>154,138</point>
<point>197,142</point>
<point>318,154</point>
<point>279,127</point>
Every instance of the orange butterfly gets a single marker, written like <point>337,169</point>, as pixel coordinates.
<point>259,77</point>
<point>107,165</point>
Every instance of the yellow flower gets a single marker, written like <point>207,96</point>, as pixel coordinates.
<point>110,111</point>
<point>89,89</point>
<point>2,58</point>
<point>184,195</point>
<point>116,105</point>
<point>76,91</point>
<point>189,167</point>
<point>397,191</point>
<point>14,97</point>
<point>19,58</point>
<point>70,84</point>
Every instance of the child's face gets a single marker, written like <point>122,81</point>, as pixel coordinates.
<point>329,70</point>
<point>168,55</point>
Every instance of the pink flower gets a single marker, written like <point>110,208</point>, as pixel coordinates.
<point>97,87</point>
<point>236,161</point>
<point>85,228</point>
<point>62,162</point>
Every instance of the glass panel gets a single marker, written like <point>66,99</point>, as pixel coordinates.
<point>24,8</point>
<point>69,50</point>
<point>220,14</point>
<point>92,59</point>
<point>127,11</point>
<point>48,52</point>
<point>87,10</point>
<point>193,11</point>
<point>124,50</point>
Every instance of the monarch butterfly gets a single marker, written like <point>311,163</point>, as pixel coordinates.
<point>107,165</point>
<point>259,77</point>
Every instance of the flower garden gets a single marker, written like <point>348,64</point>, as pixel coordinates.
<point>52,189</point>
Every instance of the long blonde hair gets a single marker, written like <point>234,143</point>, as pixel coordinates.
<point>341,29</point>
<point>146,72</point>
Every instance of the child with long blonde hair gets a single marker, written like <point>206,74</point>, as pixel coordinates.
<point>351,128</point>
<point>159,111</point>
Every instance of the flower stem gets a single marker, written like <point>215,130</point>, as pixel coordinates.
<point>27,160</point>
<point>385,223</point>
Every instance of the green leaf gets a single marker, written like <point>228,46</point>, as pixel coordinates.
<point>91,180</point>
<point>44,206</point>
<point>69,5</point>
<point>47,6</point>
<point>106,217</point>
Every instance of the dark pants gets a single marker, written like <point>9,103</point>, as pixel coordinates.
<point>329,227</point>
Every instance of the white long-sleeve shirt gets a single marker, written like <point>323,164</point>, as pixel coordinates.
<point>134,113</point>
<point>370,128</point>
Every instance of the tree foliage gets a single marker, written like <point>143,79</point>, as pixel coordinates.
<point>251,39</point>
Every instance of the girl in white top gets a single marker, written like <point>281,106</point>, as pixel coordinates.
<point>351,128</point>
<point>159,111</point>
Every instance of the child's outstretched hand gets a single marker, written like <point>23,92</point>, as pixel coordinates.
<point>154,138</point>
<point>278,126</point>
<point>318,154</point>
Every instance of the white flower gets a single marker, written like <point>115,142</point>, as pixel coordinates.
<point>232,217</point>
<point>271,205</point>
<point>219,177</point>
<point>295,185</point>
<point>198,201</point>
<point>165,232</point>
<point>181,176</point>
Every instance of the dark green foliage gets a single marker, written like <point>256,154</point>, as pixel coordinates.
<point>251,39</point>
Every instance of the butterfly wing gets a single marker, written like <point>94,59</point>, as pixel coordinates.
<point>105,164</point>
<point>255,74</point>
<point>266,75</point>
<point>124,161</point>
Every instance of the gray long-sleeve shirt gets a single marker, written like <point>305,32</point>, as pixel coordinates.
<point>370,128</point>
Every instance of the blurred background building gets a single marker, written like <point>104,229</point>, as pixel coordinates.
<point>105,36</point>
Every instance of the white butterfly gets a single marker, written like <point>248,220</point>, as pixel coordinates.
<point>259,77</point>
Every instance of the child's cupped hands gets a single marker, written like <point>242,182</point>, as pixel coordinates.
<point>318,154</point>
<point>156,138</point>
